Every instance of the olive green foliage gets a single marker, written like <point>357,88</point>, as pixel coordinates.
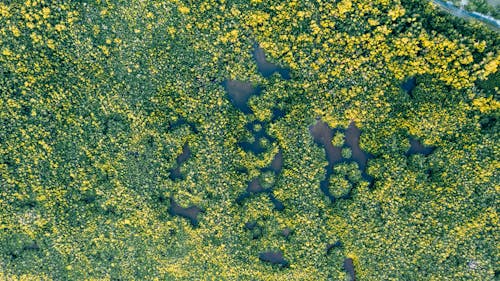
<point>98,98</point>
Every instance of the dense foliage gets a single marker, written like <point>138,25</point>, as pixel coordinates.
<point>100,100</point>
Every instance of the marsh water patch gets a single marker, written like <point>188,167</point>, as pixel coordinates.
<point>323,135</point>
<point>190,212</point>
<point>345,152</point>
<point>255,229</point>
<point>349,268</point>
<point>352,136</point>
<point>265,183</point>
<point>179,122</point>
<point>257,141</point>
<point>409,85</point>
<point>239,93</point>
<point>175,173</point>
<point>330,247</point>
<point>266,68</point>
<point>277,163</point>
<point>254,186</point>
<point>277,203</point>
<point>274,257</point>
<point>416,147</point>
<point>260,141</point>
<point>286,232</point>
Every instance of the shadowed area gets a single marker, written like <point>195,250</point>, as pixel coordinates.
<point>274,258</point>
<point>190,212</point>
<point>277,114</point>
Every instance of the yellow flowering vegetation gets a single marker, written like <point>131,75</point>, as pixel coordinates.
<point>175,140</point>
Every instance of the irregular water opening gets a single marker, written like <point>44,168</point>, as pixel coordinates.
<point>190,212</point>
<point>181,121</point>
<point>261,141</point>
<point>261,185</point>
<point>255,229</point>
<point>286,232</point>
<point>349,151</point>
<point>274,258</point>
<point>266,68</point>
<point>254,186</point>
<point>277,163</point>
<point>186,153</point>
<point>416,147</point>
<point>323,135</point>
<point>277,204</point>
<point>349,268</point>
<point>352,136</point>
<point>330,247</point>
<point>31,247</point>
<point>256,146</point>
<point>239,93</point>
<point>250,225</point>
<point>409,85</point>
<point>175,173</point>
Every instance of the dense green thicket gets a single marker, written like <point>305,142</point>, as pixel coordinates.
<point>99,98</point>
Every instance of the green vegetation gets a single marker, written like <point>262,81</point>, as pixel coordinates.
<point>99,99</point>
<point>487,7</point>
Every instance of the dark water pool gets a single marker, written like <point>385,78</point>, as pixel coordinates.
<point>266,68</point>
<point>274,257</point>
<point>349,268</point>
<point>323,135</point>
<point>239,93</point>
<point>190,212</point>
<point>409,85</point>
<point>175,173</point>
<point>416,147</point>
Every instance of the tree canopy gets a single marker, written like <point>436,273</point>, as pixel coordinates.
<point>129,130</point>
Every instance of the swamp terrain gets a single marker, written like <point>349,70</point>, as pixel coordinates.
<point>247,140</point>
